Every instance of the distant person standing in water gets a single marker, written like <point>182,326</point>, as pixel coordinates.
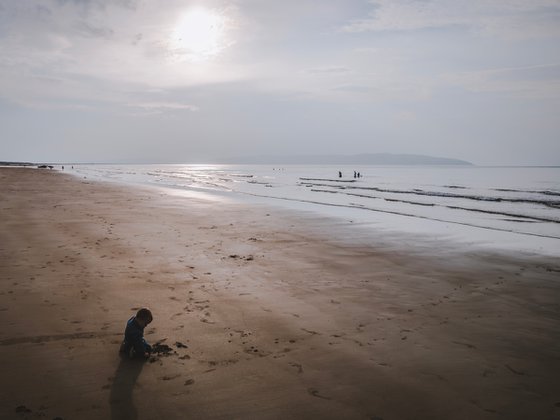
<point>134,344</point>
<point>339,174</point>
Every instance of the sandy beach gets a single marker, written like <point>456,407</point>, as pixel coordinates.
<point>269,314</point>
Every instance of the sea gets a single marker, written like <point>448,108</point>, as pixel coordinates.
<point>502,208</point>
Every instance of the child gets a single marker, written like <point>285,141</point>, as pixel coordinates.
<point>134,344</point>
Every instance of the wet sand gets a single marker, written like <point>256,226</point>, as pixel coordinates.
<point>269,314</point>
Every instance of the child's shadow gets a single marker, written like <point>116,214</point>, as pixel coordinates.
<point>126,375</point>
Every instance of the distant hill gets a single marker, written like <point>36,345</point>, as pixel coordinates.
<point>362,159</point>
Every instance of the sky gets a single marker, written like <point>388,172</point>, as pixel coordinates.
<point>139,81</point>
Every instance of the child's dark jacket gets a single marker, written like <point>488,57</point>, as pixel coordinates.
<point>134,338</point>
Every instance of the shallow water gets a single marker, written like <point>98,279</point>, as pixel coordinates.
<point>507,207</point>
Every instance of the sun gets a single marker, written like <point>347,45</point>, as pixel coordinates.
<point>199,34</point>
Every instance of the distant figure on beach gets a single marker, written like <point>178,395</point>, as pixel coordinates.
<point>62,167</point>
<point>134,344</point>
<point>339,174</point>
<point>355,174</point>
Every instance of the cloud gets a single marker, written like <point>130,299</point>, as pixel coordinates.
<point>329,70</point>
<point>160,107</point>
<point>98,47</point>
<point>86,29</point>
<point>542,81</point>
<point>503,18</point>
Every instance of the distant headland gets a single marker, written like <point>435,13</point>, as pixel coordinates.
<point>361,159</point>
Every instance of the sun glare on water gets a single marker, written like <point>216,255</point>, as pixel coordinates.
<point>199,34</point>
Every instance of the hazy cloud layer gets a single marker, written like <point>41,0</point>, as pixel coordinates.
<point>179,81</point>
<point>506,18</point>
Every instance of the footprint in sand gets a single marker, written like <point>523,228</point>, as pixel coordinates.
<point>515,371</point>
<point>298,366</point>
<point>315,393</point>
<point>168,377</point>
<point>23,409</point>
<point>252,349</point>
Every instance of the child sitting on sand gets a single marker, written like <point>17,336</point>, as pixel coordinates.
<point>134,344</point>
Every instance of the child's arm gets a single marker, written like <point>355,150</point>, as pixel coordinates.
<point>147,347</point>
<point>138,342</point>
